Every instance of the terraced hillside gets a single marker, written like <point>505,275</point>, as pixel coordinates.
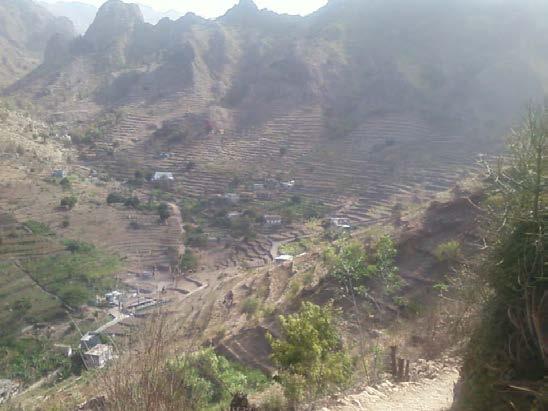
<point>354,113</point>
<point>362,175</point>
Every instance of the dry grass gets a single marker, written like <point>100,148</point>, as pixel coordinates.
<point>141,378</point>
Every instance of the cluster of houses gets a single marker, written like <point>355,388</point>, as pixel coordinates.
<point>132,303</point>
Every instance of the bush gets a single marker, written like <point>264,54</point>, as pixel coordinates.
<point>149,374</point>
<point>38,228</point>
<point>310,356</point>
<point>65,183</point>
<point>69,202</point>
<point>114,198</point>
<point>251,305</point>
<point>79,246</point>
<point>189,261</point>
<point>195,237</point>
<point>164,211</point>
<point>448,252</point>
<point>133,202</point>
<point>74,294</point>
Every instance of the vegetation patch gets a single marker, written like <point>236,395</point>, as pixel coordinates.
<point>310,355</point>
<point>28,359</point>
<point>298,208</point>
<point>38,228</point>
<point>448,252</point>
<point>213,380</point>
<point>75,277</point>
<point>295,247</point>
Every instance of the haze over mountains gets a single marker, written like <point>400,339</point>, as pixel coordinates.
<point>458,73</point>
<point>351,57</point>
<point>83,14</point>
<point>25,30</point>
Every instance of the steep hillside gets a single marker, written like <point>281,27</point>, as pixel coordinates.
<point>25,31</point>
<point>344,101</point>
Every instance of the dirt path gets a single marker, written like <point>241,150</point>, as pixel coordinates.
<point>425,395</point>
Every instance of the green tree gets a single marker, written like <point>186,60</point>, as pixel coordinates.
<point>65,183</point>
<point>310,354</point>
<point>508,348</point>
<point>385,265</point>
<point>189,261</point>
<point>347,262</point>
<point>164,211</point>
<point>69,202</point>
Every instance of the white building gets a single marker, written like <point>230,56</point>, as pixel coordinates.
<point>284,258</point>
<point>162,176</point>
<point>232,197</point>
<point>98,356</point>
<point>339,222</point>
<point>288,184</point>
<point>273,220</point>
<point>113,298</point>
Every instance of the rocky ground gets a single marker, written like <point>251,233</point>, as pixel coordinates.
<point>431,389</point>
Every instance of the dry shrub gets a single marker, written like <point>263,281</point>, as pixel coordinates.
<point>142,378</point>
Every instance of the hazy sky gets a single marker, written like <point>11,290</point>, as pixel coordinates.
<point>215,8</point>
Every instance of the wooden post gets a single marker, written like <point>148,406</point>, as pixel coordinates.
<point>406,374</point>
<point>393,364</point>
<point>401,367</point>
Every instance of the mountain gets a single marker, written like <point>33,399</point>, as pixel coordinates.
<point>81,14</point>
<point>25,30</point>
<point>374,82</point>
<point>153,16</point>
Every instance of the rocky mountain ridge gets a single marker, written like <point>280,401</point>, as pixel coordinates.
<point>25,30</point>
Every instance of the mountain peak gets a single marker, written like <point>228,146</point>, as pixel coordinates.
<point>113,19</point>
<point>247,5</point>
<point>242,11</point>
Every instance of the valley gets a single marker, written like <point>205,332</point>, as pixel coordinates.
<point>174,195</point>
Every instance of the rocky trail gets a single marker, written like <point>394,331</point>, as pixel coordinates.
<point>432,392</point>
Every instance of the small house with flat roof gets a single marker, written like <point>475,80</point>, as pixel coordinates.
<point>162,176</point>
<point>98,356</point>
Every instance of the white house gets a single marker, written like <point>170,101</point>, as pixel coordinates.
<point>232,197</point>
<point>284,258</point>
<point>288,184</point>
<point>162,176</point>
<point>273,220</point>
<point>98,356</point>
<point>339,222</point>
<point>113,298</point>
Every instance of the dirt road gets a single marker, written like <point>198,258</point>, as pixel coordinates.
<point>425,395</point>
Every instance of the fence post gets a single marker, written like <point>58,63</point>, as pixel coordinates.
<point>401,367</point>
<point>406,374</point>
<point>393,364</point>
